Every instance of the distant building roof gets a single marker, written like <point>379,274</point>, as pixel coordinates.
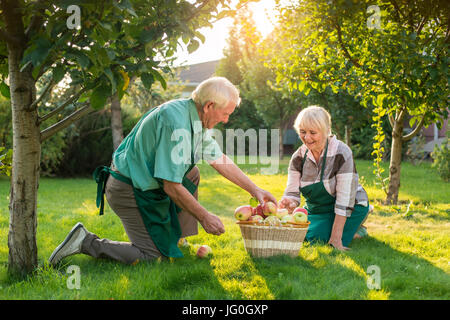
<point>196,73</point>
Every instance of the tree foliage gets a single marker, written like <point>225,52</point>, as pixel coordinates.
<point>393,54</point>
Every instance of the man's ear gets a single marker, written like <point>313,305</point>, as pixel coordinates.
<point>208,106</point>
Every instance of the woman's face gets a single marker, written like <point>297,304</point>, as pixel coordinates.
<point>313,138</point>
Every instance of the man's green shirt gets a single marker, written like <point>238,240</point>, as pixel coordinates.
<point>163,144</point>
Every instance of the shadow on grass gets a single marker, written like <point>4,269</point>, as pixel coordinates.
<point>321,272</point>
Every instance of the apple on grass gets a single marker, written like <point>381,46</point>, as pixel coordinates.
<point>204,251</point>
<point>243,212</point>
<point>269,208</point>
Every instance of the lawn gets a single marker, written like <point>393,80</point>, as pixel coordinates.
<point>412,253</point>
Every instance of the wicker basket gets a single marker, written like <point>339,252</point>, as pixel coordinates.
<point>263,240</point>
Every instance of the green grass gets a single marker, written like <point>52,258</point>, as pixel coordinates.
<point>412,253</point>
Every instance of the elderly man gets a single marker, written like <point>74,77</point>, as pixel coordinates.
<point>152,182</point>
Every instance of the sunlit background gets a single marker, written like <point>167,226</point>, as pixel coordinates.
<point>215,38</point>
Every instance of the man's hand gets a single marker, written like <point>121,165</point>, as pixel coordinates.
<point>212,224</point>
<point>181,196</point>
<point>263,196</point>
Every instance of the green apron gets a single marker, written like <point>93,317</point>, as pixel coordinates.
<point>158,211</point>
<point>320,206</point>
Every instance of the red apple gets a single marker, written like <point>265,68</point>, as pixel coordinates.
<point>243,212</point>
<point>299,209</point>
<point>203,251</point>
<point>259,211</point>
<point>269,208</point>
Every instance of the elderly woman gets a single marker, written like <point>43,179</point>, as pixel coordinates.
<point>324,172</point>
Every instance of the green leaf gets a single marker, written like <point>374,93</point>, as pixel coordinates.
<point>99,96</point>
<point>253,202</point>
<point>160,78</point>
<point>80,58</point>
<point>193,45</point>
<point>111,78</point>
<point>4,89</point>
<point>301,86</point>
<point>58,73</point>
<point>147,80</point>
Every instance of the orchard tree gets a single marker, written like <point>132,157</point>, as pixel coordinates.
<point>94,46</point>
<point>393,54</point>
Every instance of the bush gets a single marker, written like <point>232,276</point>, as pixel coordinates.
<point>441,156</point>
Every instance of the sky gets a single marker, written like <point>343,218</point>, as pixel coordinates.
<point>215,38</point>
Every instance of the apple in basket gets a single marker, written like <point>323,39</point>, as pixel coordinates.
<point>299,209</point>
<point>282,212</point>
<point>300,216</point>
<point>256,218</point>
<point>259,211</point>
<point>287,218</point>
<point>243,212</point>
<point>272,220</point>
<point>269,208</point>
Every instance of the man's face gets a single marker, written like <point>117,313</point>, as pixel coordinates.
<point>214,116</point>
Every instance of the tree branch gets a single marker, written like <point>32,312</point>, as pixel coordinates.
<point>391,120</point>
<point>343,47</point>
<point>411,135</point>
<point>64,105</point>
<point>64,123</point>
<point>36,20</point>
<point>48,88</point>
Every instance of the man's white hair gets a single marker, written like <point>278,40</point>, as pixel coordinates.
<point>218,90</point>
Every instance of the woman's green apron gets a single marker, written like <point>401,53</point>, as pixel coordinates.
<point>158,211</point>
<point>320,206</point>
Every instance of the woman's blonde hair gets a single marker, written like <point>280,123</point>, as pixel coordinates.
<point>314,117</point>
<point>218,90</point>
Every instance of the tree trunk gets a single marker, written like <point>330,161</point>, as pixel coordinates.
<point>396,162</point>
<point>116,121</point>
<point>348,135</point>
<point>25,167</point>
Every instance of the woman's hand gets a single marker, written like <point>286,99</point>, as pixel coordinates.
<point>337,244</point>
<point>288,204</point>
<point>336,233</point>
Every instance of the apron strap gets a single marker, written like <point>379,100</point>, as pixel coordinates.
<point>101,175</point>
<point>323,161</point>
